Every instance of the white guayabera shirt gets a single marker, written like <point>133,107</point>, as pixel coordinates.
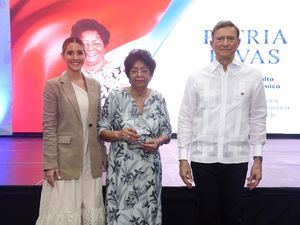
<point>222,113</point>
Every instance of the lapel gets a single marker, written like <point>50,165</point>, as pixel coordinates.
<point>91,91</point>
<point>70,94</point>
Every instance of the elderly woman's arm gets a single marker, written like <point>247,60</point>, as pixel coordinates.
<point>163,139</point>
<point>127,134</point>
<point>165,130</point>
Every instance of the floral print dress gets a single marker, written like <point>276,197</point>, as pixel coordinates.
<point>134,176</point>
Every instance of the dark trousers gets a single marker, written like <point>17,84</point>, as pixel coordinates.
<point>219,189</point>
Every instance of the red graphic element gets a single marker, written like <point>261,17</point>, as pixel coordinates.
<point>38,30</point>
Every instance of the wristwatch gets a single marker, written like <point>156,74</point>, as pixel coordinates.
<point>258,157</point>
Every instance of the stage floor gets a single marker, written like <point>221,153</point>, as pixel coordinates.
<point>21,162</point>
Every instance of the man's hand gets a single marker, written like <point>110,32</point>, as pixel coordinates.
<point>185,173</point>
<point>255,174</point>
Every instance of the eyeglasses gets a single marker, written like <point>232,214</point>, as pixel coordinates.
<point>92,43</point>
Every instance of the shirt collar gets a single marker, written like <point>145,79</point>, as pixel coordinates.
<point>216,64</point>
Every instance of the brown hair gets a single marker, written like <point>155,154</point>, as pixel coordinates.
<point>225,23</point>
<point>71,40</point>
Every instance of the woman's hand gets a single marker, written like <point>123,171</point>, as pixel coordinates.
<point>151,145</point>
<point>51,175</point>
<point>127,134</point>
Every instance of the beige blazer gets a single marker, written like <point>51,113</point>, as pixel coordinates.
<point>63,129</point>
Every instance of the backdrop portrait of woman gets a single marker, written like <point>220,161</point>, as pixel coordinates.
<point>95,37</point>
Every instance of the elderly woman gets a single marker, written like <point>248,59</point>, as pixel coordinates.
<point>95,37</point>
<point>136,122</point>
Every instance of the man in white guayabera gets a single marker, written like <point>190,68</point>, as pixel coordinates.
<point>223,113</point>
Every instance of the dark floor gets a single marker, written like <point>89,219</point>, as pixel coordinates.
<point>276,202</point>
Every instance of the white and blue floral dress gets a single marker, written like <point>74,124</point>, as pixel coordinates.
<point>133,192</point>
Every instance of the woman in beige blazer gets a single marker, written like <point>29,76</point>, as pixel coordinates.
<point>73,155</point>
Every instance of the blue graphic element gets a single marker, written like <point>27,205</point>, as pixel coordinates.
<point>5,72</point>
<point>168,22</point>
